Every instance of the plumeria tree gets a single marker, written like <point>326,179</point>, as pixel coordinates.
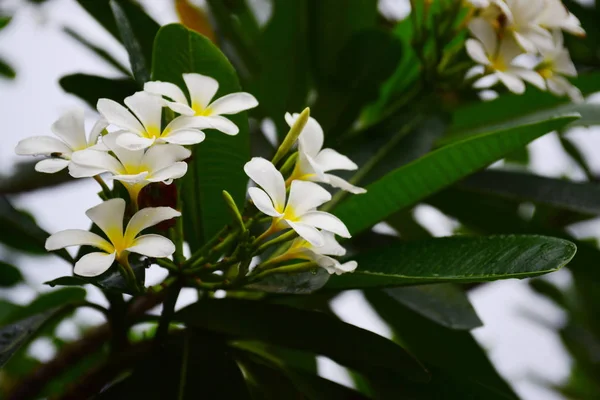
<point>251,161</point>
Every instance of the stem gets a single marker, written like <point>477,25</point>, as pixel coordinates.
<point>167,313</point>
<point>177,234</point>
<point>166,263</point>
<point>103,185</point>
<point>198,254</point>
<point>291,234</point>
<point>272,229</point>
<point>288,269</point>
<point>127,271</point>
<point>183,374</point>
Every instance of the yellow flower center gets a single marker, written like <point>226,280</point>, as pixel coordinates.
<point>498,64</point>
<point>152,132</point>
<point>200,111</point>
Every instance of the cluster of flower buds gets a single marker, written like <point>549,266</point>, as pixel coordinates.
<point>518,41</point>
<point>141,149</point>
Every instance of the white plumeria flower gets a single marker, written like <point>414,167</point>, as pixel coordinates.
<point>314,162</point>
<point>522,20</point>
<point>499,59</point>
<point>202,89</point>
<point>108,216</point>
<point>71,132</point>
<point>300,212</point>
<point>301,249</point>
<point>556,16</point>
<point>142,124</point>
<point>134,168</point>
<point>555,65</point>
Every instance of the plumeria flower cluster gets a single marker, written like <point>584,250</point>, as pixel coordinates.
<point>140,150</point>
<point>518,41</point>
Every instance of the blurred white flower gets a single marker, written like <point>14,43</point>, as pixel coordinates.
<point>498,59</point>
<point>300,212</point>
<point>555,65</point>
<point>134,168</point>
<point>555,15</point>
<point>301,249</point>
<point>314,161</point>
<point>202,89</point>
<point>70,130</point>
<point>108,216</point>
<point>142,125</point>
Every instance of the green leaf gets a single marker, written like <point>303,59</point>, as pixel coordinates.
<point>575,196</point>
<point>142,28</point>
<point>218,161</point>
<point>6,70</point>
<point>457,259</point>
<point>20,231</point>
<point>48,301</point>
<point>300,283</point>
<point>90,88</point>
<point>444,304</point>
<point>304,330</point>
<point>4,21</point>
<point>510,106</point>
<point>140,65</point>
<point>9,275</point>
<point>413,182</point>
<point>100,52</point>
<point>15,335</point>
<point>454,356</point>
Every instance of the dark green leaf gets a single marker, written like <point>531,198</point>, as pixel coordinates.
<point>13,336</point>
<point>90,88</point>
<point>6,70</point>
<point>457,259</point>
<point>20,231</point>
<point>4,21</point>
<point>548,289</point>
<point>100,52</point>
<point>454,355</point>
<point>141,26</point>
<point>413,182</point>
<point>219,160</point>
<point>9,275</point>
<point>140,65</point>
<point>301,283</point>
<point>6,309</point>
<point>48,301</point>
<point>444,304</point>
<point>582,197</point>
<point>305,330</point>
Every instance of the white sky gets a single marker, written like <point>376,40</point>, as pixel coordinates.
<point>28,106</point>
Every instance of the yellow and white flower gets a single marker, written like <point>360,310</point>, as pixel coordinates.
<point>300,211</point>
<point>202,89</point>
<point>555,15</point>
<point>70,130</point>
<point>314,162</point>
<point>134,168</point>
<point>301,249</point>
<point>498,60</point>
<point>108,216</point>
<point>555,65</point>
<point>142,125</point>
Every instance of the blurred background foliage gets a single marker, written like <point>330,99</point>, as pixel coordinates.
<point>383,90</point>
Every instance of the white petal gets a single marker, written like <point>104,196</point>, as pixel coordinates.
<point>133,142</point>
<point>330,247</point>
<point>174,171</point>
<point>529,76</point>
<point>38,145</point>
<point>340,183</point>
<point>148,217</point>
<point>99,160</point>
<point>185,137</point>
<point>486,81</point>
<point>130,158</point>
<point>475,71</point>
<point>152,246</point>
<point>109,217</point>
<point>564,64</point>
<point>51,165</point>
<point>185,122</point>
<point>80,171</point>
<point>96,131</point>
<point>305,196</point>
<point>325,221</point>
<point>266,176</point>
<point>118,115</point>
<point>148,108</point>
<point>233,103</point>
<point>94,264</point>
<point>486,35</point>
<point>329,159</point>
<point>476,52</point>
<point>224,125</point>
<point>328,263</point>
<point>346,267</point>
<point>509,50</point>
<point>311,139</point>
<point>70,128</point>
<point>180,108</point>
<point>161,156</point>
<point>556,86</point>
<point>309,166</point>
<point>308,233</point>
<point>167,89</point>
<point>132,178</point>
<point>201,88</point>
<point>513,83</point>
<point>77,237</point>
<point>263,202</point>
